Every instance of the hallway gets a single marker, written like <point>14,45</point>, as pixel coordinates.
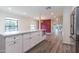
<point>52,45</point>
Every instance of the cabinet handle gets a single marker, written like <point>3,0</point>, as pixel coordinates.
<point>14,37</point>
<point>14,42</point>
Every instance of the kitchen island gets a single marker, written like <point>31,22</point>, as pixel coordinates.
<point>19,42</point>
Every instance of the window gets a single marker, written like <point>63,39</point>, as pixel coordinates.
<point>32,27</point>
<point>11,25</point>
<point>57,28</point>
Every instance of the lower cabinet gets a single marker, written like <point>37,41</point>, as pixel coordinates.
<point>2,44</point>
<point>26,42</point>
<point>30,40</point>
<point>21,43</point>
<point>13,44</point>
<point>35,38</point>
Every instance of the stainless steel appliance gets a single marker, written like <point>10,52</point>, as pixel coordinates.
<point>74,28</point>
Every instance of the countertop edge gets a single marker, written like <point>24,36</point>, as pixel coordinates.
<point>5,34</point>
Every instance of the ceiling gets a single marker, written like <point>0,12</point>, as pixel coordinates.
<point>34,11</point>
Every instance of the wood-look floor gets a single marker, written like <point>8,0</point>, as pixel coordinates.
<point>52,45</point>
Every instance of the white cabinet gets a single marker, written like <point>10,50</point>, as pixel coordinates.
<point>21,42</point>
<point>36,38</point>
<point>13,44</point>
<point>18,43</point>
<point>2,44</point>
<point>31,39</point>
<point>26,42</point>
<point>9,44</point>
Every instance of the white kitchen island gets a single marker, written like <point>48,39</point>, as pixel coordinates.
<point>19,42</point>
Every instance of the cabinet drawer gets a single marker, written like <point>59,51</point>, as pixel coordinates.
<point>17,37</point>
<point>13,38</point>
<point>26,36</point>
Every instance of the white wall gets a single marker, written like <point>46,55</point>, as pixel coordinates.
<point>24,25</point>
<point>66,24</point>
<point>24,22</point>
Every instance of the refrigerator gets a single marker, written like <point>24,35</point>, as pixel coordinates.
<point>74,28</point>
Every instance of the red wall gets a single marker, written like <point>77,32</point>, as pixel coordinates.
<point>46,24</point>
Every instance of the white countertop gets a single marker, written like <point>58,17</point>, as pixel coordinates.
<point>16,32</point>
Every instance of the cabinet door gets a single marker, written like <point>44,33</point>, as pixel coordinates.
<point>33,39</point>
<point>2,44</point>
<point>26,42</point>
<point>14,44</point>
<point>40,36</point>
<point>36,37</point>
<point>18,43</point>
<point>9,44</point>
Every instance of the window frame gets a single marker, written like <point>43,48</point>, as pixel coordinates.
<point>9,27</point>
